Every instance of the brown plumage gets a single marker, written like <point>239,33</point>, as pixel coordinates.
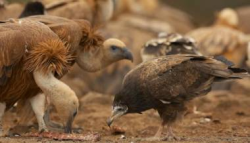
<point>89,48</point>
<point>16,56</point>
<point>244,17</point>
<point>95,11</point>
<point>10,11</point>
<point>17,10</point>
<point>168,44</point>
<point>31,55</point>
<point>223,38</point>
<point>167,84</point>
<point>85,45</point>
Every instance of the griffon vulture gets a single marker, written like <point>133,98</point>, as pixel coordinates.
<point>95,11</point>
<point>30,56</point>
<point>223,38</point>
<point>86,47</point>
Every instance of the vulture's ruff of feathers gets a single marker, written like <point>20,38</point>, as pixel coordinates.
<point>167,83</point>
<point>27,46</point>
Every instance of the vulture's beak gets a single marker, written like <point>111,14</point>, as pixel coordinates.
<point>116,113</point>
<point>68,127</point>
<point>128,55</point>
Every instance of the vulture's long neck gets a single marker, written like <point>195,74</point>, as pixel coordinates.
<point>92,61</point>
<point>51,86</point>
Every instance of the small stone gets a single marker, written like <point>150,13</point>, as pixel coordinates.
<point>123,137</point>
<point>205,120</point>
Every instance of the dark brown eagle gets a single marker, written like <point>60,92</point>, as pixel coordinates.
<point>167,83</point>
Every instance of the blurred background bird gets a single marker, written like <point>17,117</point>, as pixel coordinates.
<point>168,44</point>
<point>223,38</point>
<point>96,11</point>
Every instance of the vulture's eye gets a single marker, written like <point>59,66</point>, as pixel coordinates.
<point>114,48</point>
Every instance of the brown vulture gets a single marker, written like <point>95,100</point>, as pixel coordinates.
<point>78,42</point>
<point>223,38</point>
<point>95,11</point>
<point>167,83</point>
<point>168,44</point>
<point>30,56</point>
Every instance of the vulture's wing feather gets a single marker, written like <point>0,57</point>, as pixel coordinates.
<point>218,40</point>
<point>67,30</point>
<point>12,47</point>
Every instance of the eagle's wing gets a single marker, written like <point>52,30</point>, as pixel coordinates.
<point>181,77</point>
<point>12,47</point>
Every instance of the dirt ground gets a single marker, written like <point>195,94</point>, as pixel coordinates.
<point>229,120</point>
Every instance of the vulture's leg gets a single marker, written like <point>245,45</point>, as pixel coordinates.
<point>2,109</point>
<point>38,106</point>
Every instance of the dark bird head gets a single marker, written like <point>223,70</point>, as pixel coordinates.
<point>33,8</point>
<point>118,111</point>
<point>129,100</point>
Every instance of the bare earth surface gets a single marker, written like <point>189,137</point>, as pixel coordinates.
<point>229,121</point>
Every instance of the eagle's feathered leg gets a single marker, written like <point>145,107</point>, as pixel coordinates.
<point>159,131</point>
<point>170,113</point>
<point>38,105</point>
<point>2,110</point>
<point>170,134</point>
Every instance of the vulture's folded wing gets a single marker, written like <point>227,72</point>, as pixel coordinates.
<point>67,30</point>
<point>218,40</point>
<point>12,47</point>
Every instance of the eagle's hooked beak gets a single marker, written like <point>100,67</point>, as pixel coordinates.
<point>116,113</point>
